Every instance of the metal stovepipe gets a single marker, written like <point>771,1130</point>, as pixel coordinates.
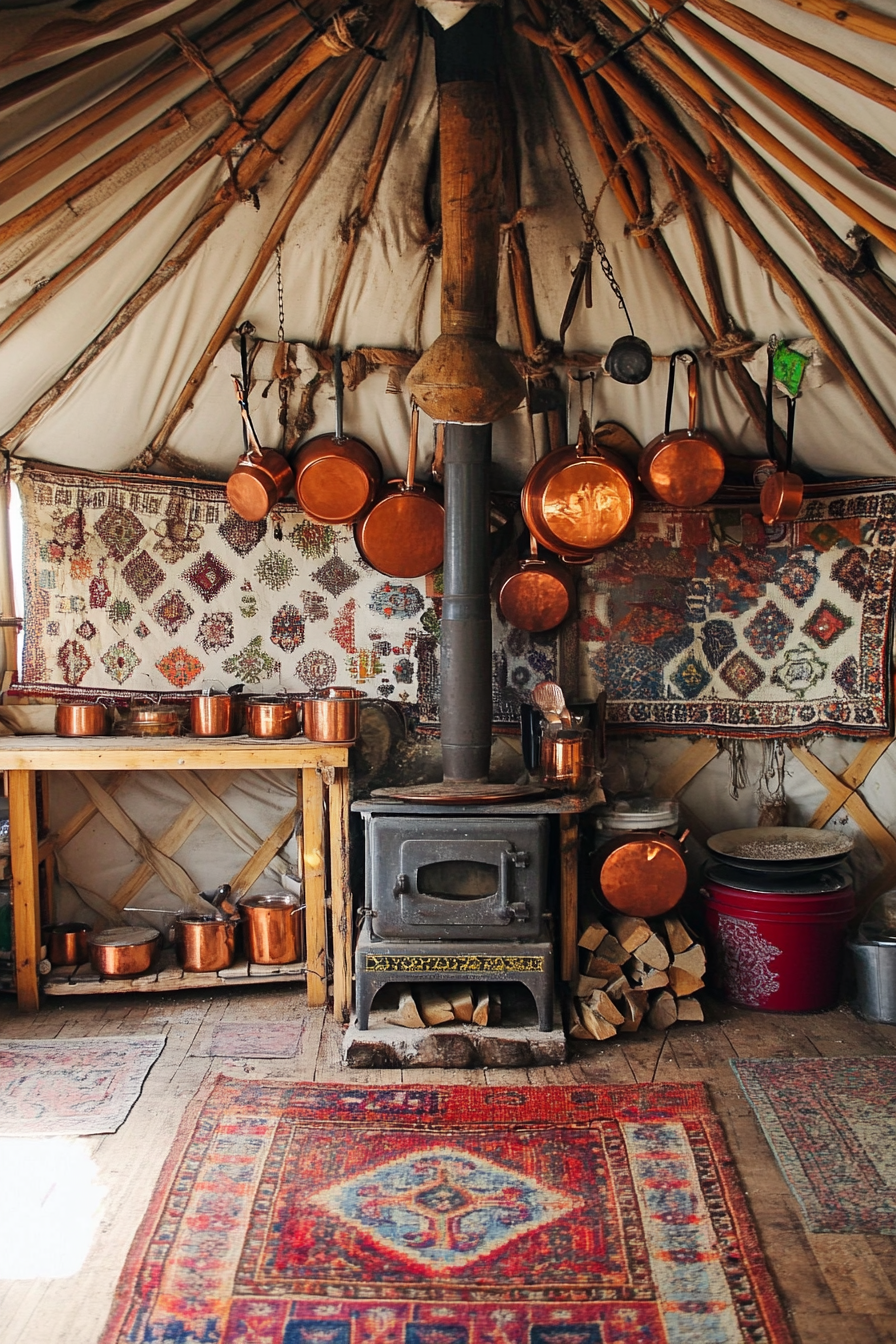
<point>466,689</point>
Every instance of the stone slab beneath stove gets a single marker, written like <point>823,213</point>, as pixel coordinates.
<point>516,1044</point>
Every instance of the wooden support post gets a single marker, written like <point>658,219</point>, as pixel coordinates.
<point>315,882</point>
<point>25,895</point>
<point>340,897</point>
<point>569,893</point>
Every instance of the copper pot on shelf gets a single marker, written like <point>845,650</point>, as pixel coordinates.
<point>204,942</point>
<point>274,928</point>
<point>153,720</point>
<point>123,952</point>
<point>75,719</point>
<point>66,943</point>
<point>334,715</point>
<point>271,716</point>
<point>567,758</point>
<point>213,714</point>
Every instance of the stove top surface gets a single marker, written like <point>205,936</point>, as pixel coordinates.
<point>460,792</point>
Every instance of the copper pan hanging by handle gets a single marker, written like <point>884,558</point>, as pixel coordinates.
<point>262,477</point>
<point>403,535</point>
<point>539,594</point>
<point>576,501</point>
<point>781,497</point>
<point>682,467</point>
<point>336,476</point>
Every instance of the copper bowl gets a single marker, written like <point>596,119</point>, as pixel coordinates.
<point>120,953</point>
<point>270,717</point>
<point>334,715</point>
<point>74,719</point>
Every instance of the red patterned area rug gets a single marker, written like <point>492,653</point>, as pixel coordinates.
<point>294,1213</point>
<point>831,1124</point>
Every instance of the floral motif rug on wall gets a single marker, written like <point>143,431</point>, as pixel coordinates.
<point>831,1124</point>
<point>298,1213</point>
<point>138,584</point>
<point>708,622</point>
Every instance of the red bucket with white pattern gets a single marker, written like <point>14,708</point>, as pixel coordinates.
<point>779,951</point>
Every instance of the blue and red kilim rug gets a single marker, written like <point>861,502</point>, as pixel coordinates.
<point>294,1213</point>
<point>831,1124</point>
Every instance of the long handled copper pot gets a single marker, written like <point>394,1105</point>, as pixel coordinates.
<point>578,499</point>
<point>403,535</point>
<point>538,594</point>
<point>261,478</point>
<point>336,476</point>
<point>781,496</point>
<point>684,467</point>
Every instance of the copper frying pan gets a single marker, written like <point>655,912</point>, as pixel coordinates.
<point>336,477</point>
<point>684,467</point>
<point>538,594</point>
<point>403,535</point>
<point>781,496</point>
<point>576,501</point>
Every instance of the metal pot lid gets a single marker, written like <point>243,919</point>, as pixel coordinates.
<point>639,812</point>
<point>123,937</point>
<point>276,901</point>
<point>776,882</point>
<point>763,845</point>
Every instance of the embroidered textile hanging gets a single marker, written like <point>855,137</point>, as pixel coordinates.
<point>708,623</point>
<point>138,585</point>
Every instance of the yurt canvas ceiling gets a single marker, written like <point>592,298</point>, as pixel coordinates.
<point>171,171</point>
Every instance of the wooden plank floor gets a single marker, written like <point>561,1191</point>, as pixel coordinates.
<point>835,1288</point>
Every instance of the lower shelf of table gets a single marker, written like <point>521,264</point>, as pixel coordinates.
<point>168,976</point>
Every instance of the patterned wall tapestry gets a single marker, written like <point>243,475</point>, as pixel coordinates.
<point>709,623</point>
<point>139,585</point>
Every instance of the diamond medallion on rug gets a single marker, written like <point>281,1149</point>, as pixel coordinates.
<point>295,1213</point>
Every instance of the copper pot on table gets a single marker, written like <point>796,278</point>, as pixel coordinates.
<point>567,758</point>
<point>74,719</point>
<point>125,952</point>
<point>66,943</point>
<point>334,715</point>
<point>204,942</point>
<point>683,467</point>
<point>271,716</point>
<point>336,476</point>
<point>212,714</point>
<point>274,928</point>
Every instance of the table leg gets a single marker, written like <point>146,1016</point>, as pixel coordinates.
<point>569,893</point>
<point>25,894</point>
<point>315,886</point>
<point>340,898</point>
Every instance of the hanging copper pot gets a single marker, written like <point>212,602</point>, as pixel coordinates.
<point>578,499</point>
<point>403,535</point>
<point>643,873</point>
<point>261,478</point>
<point>336,477</point>
<point>781,496</point>
<point>539,594</point>
<point>684,467</point>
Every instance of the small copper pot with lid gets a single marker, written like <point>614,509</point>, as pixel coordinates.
<point>334,715</point>
<point>274,928</point>
<point>271,716</point>
<point>122,952</point>
<point>204,942</point>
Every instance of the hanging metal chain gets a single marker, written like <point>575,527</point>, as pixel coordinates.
<point>284,384</point>
<point>593,242</point>
<point>281,316</point>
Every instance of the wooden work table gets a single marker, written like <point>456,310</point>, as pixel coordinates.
<point>321,771</point>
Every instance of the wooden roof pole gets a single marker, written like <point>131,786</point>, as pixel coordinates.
<point>351,227</point>
<point>833,253</point>
<point>856,18</point>
<point>864,153</point>
<point>61,33</point>
<point>796,49</point>
<point>147,139</point>
<point>627,159</point>
<point>683,152</point>
<point>305,179</point>
<point>309,97</point>
<point>514,237</point>
<point>163,77</point>
<point>313,55</point>
<point>728,111</point>
<point>30,86</point>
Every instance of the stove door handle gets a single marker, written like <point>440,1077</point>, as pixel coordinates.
<point>402,886</point>
<point>508,910</point>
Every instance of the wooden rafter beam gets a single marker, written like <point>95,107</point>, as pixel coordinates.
<point>229,821</point>
<point>60,34</point>
<point>854,18</point>
<point>304,180</point>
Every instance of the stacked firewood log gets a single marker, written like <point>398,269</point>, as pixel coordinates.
<point>636,970</point>
<point>429,1005</point>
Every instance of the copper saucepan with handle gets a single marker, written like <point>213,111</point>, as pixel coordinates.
<point>684,467</point>
<point>781,496</point>
<point>538,594</point>
<point>336,476</point>
<point>403,535</point>
<point>578,499</point>
<point>262,477</point>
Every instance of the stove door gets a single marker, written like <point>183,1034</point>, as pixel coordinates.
<point>461,886</point>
